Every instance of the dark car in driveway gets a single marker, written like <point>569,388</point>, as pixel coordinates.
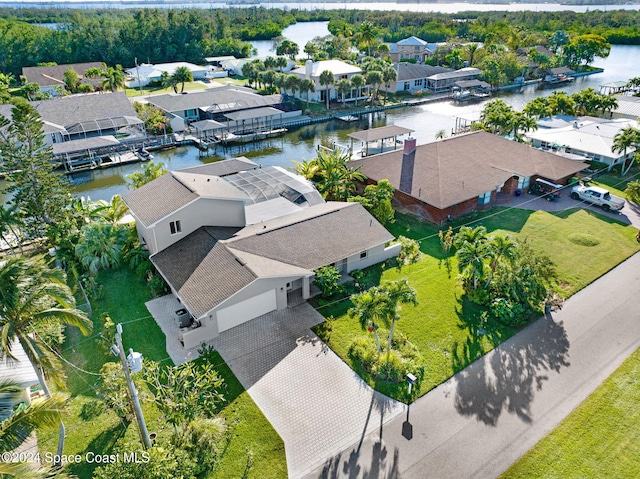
<point>550,191</point>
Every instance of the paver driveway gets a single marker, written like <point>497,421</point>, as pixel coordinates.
<point>313,399</point>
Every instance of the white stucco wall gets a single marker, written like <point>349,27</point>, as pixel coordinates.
<point>375,255</point>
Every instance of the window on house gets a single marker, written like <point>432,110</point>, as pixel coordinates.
<point>484,198</point>
<point>523,182</point>
<point>175,227</point>
<point>407,86</point>
<point>417,82</point>
<point>363,255</point>
<point>191,113</point>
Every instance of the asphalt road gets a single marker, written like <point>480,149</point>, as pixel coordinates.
<point>483,419</point>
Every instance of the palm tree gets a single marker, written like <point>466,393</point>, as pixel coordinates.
<point>396,293</point>
<point>326,80</point>
<point>374,78</point>
<point>358,82</point>
<point>472,48</point>
<point>281,63</point>
<point>270,63</point>
<point>10,221</point>
<point>454,58</point>
<point>369,308</point>
<point>608,103</point>
<point>388,75</point>
<point>472,260</point>
<point>343,87</point>
<point>441,134</point>
<point>113,78</point>
<point>113,211</point>
<point>367,34</point>
<point>150,171</point>
<point>100,246</point>
<point>307,169</point>
<point>307,85</point>
<point>561,103</point>
<point>501,248</point>
<point>33,295</point>
<point>521,124</point>
<point>181,75</point>
<point>293,84</point>
<point>625,138</point>
<point>335,179</point>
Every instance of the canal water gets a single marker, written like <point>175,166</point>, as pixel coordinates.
<point>301,143</point>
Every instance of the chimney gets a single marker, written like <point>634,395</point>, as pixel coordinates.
<point>308,69</point>
<point>408,160</point>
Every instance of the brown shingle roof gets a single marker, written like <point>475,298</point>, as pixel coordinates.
<point>224,167</point>
<point>315,237</point>
<point>463,167</point>
<point>202,270</point>
<point>157,199</point>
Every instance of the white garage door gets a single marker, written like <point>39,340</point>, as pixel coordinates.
<point>246,310</point>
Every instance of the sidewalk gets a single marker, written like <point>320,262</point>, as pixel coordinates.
<point>483,419</point>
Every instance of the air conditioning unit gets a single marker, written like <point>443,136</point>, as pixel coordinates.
<point>183,318</point>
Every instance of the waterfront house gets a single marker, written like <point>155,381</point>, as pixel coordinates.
<point>340,70</point>
<point>586,137</point>
<point>21,372</point>
<point>413,78</point>
<point>445,81</point>
<point>217,103</point>
<point>628,107</point>
<point>51,78</point>
<point>146,73</point>
<point>235,241</point>
<point>457,175</point>
<point>412,48</point>
<point>84,125</point>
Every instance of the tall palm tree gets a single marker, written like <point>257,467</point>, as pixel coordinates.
<point>181,75</point>
<point>326,80</point>
<point>369,308</point>
<point>281,63</point>
<point>358,82</point>
<point>388,75</point>
<point>100,246</point>
<point>293,84</point>
<point>608,103</point>
<point>561,103</point>
<point>10,222</point>
<point>113,211</point>
<point>307,85</point>
<point>472,260</point>
<point>367,35</point>
<point>501,248</point>
<point>335,179</point>
<point>454,58</point>
<point>395,294</point>
<point>472,48</point>
<point>624,139</point>
<point>33,295</point>
<point>343,87</point>
<point>374,78</point>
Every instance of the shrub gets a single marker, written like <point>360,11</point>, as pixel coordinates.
<point>327,279</point>
<point>632,191</point>
<point>409,251</point>
<point>584,239</point>
<point>364,352</point>
<point>390,367</point>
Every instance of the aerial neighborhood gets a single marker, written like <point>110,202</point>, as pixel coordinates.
<point>262,243</point>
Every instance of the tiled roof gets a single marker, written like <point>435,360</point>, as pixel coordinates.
<point>463,167</point>
<point>203,271</point>
<point>157,199</point>
<point>314,237</point>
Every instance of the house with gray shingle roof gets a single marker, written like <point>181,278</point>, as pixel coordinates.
<point>413,77</point>
<point>50,78</point>
<point>235,241</point>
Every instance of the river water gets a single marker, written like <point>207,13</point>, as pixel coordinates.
<point>301,143</point>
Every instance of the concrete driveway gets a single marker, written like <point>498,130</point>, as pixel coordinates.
<point>312,398</point>
<point>630,214</point>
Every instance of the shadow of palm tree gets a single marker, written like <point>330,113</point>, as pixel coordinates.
<point>508,378</point>
<point>101,444</point>
<point>347,464</point>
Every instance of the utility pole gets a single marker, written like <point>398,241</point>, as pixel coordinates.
<point>133,393</point>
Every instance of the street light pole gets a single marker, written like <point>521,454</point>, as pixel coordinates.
<point>133,393</point>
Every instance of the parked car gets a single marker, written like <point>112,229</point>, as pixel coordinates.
<point>597,196</point>
<point>550,191</point>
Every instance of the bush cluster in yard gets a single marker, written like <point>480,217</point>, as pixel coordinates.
<point>391,366</point>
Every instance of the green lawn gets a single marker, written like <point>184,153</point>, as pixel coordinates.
<point>91,429</point>
<point>616,184</point>
<point>444,326</point>
<point>158,90</point>
<point>600,438</point>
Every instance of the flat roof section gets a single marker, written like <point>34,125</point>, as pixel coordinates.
<point>253,113</point>
<point>381,133</point>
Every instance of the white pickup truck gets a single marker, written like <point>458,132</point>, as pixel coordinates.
<point>597,196</point>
